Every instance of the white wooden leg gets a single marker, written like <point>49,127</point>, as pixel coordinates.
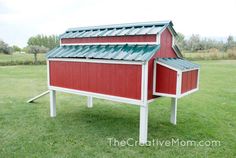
<point>173,118</point>
<point>143,127</point>
<point>52,103</point>
<point>90,102</point>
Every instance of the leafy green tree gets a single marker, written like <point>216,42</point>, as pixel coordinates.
<point>41,40</point>
<point>35,49</point>
<point>16,48</point>
<point>181,42</point>
<point>194,43</point>
<point>230,42</point>
<point>4,48</point>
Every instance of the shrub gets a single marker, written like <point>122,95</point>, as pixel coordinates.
<point>232,53</point>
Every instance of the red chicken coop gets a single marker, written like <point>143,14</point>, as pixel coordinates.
<point>131,63</point>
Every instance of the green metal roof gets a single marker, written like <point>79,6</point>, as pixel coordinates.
<point>114,52</point>
<point>178,63</point>
<point>118,30</point>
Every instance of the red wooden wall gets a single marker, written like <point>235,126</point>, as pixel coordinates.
<point>166,50</point>
<point>165,80</point>
<point>121,80</point>
<point>110,39</point>
<point>189,80</point>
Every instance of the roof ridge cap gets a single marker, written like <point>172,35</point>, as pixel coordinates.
<point>137,24</point>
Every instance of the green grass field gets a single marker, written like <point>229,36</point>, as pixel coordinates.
<point>26,130</point>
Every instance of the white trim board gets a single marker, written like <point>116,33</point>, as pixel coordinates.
<point>97,61</point>
<point>48,74</point>
<point>179,83</point>
<point>188,92</point>
<point>145,84</point>
<point>97,95</point>
<point>173,43</point>
<point>168,66</point>
<point>190,69</point>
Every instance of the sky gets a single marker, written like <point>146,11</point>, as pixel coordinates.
<point>21,19</point>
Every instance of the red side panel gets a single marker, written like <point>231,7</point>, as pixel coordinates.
<point>150,78</point>
<point>189,81</point>
<point>166,49</point>
<point>114,39</point>
<point>165,80</point>
<point>121,80</point>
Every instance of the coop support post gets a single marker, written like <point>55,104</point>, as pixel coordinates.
<point>143,124</point>
<point>89,102</point>
<point>173,117</point>
<point>52,103</point>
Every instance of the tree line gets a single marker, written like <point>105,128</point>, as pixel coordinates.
<point>42,44</point>
<point>35,44</point>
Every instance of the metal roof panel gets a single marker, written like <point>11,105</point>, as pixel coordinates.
<point>116,52</point>
<point>178,63</point>
<point>155,30</point>
<point>118,30</point>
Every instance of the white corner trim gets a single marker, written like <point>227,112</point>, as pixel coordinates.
<point>97,61</point>
<point>98,95</point>
<point>173,41</point>
<point>145,85</point>
<point>178,83</point>
<point>108,43</point>
<point>48,74</point>
<point>142,83</point>
<point>188,92</point>
<point>154,77</point>
<point>190,69</point>
<point>168,66</point>
<point>158,39</point>
<point>198,78</point>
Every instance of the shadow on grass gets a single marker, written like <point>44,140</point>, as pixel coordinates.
<point>122,122</point>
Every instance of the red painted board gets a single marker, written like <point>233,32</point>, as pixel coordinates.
<point>123,80</point>
<point>165,80</point>
<point>110,39</point>
<point>189,81</point>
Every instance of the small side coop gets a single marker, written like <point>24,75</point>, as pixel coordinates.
<point>131,63</point>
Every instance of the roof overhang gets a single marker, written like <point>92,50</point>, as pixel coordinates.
<point>109,52</point>
<point>177,64</point>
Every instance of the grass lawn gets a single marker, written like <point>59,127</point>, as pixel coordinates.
<point>26,130</point>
